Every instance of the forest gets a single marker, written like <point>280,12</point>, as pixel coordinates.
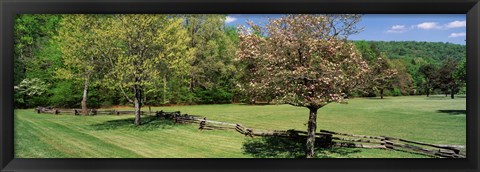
<point>53,68</point>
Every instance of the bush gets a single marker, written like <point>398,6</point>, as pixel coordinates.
<point>106,104</point>
<point>396,92</point>
<point>462,90</point>
<point>216,95</point>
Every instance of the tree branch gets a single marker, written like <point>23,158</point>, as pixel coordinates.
<point>124,94</point>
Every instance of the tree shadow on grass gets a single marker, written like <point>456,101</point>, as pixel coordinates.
<point>281,147</point>
<point>439,97</point>
<point>147,123</point>
<point>376,98</point>
<point>443,97</point>
<point>258,104</point>
<point>454,112</point>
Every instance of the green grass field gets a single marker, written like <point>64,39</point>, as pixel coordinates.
<point>437,119</point>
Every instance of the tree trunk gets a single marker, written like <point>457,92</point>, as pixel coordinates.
<point>312,127</point>
<point>138,105</point>
<point>190,87</point>
<point>428,91</point>
<point>84,98</point>
<point>452,92</point>
<point>381,93</point>
<point>164,89</point>
<point>253,100</point>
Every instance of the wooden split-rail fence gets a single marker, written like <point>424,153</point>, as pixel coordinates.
<point>51,110</point>
<point>324,138</point>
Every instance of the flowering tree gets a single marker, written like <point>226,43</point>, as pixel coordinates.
<point>29,88</point>
<point>251,75</point>
<point>305,60</point>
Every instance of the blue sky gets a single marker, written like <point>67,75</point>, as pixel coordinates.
<point>391,27</point>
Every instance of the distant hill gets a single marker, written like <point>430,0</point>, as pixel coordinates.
<point>408,56</point>
<point>429,51</point>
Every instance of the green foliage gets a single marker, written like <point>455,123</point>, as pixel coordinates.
<point>393,92</point>
<point>460,74</point>
<point>212,66</point>
<point>408,57</point>
<point>429,51</point>
<point>65,94</point>
<point>381,77</point>
<point>216,95</point>
<point>148,48</point>
<point>35,55</point>
<point>31,33</point>
<point>446,80</point>
<point>190,60</point>
<point>81,53</point>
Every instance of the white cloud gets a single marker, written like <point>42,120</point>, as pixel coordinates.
<point>456,24</point>
<point>230,19</point>
<point>397,29</point>
<point>429,25</point>
<point>460,34</point>
<point>434,25</point>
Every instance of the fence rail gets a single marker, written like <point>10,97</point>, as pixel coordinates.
<point>52,110</point>
<point>336,139</point>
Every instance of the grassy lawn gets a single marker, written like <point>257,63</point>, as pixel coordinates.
<point>436,119</point>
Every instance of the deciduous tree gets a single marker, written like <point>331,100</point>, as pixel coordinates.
<point>428,71</point>
<point>306,60</point>
<point>82,54</point>
<point>146,45</point>
<point>381,75</point>
<point>212,70</point>
<point>446,77</point>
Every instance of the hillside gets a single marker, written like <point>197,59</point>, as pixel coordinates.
<point>428,51</point>
<point>407,57</point>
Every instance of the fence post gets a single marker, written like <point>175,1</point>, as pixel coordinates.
<point>203,123</point>
<point>249,133</point>
<point>161,114</point>
<point>175,116</point>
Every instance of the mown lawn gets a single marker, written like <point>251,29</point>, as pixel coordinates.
<point>437,119</point>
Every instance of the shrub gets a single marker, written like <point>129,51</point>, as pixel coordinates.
<point>396,92</point>
<point>66,94</point>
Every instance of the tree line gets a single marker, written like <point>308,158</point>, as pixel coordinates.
<point>422,68</point>
<point>185,59</point>
<point>209,73</point>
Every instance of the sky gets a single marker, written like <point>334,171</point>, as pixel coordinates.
<point>390,27</point>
